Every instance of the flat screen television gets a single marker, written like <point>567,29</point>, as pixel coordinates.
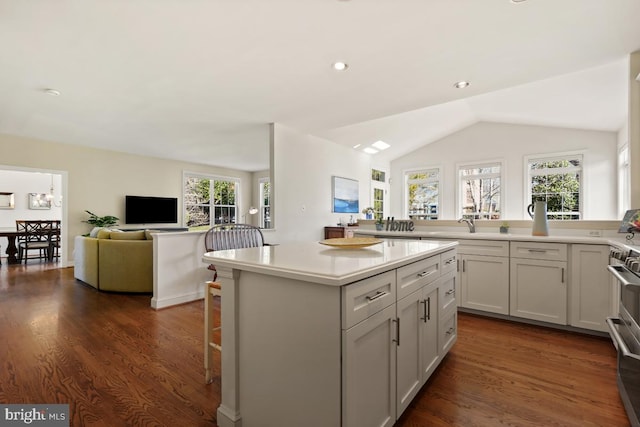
<point>150,210</point>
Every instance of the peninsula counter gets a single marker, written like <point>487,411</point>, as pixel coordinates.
<point>311,333</point>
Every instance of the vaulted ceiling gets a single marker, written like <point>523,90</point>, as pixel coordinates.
<point>199,80</point>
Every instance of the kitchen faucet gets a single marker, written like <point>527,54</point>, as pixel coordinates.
<point>470,223</point>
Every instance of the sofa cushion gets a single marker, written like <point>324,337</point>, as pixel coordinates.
<point>128,235</point>
<point>105,233</point>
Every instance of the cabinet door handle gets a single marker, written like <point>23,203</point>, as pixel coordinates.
<point>463,265</point>
<point>451,331</point>
<point>378,294</point>
<point>457,265</point>
<point>562,277</point>
<point>426,273</point>
<point>426,307</point>
<point>397,339</point>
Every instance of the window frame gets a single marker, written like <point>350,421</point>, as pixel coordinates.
<point>212,205</point>
<point>549,157</point>
<point>460,192</point>
<point>405,195</point>
<point>264,207</point>
<point>624,179</point>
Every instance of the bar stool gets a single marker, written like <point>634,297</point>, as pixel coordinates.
<point>213,290</point>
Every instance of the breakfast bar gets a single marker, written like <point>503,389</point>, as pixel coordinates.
<point>318,335</point>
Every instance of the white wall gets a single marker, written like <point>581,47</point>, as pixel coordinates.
<point>98,180</point>
<point>510,144</point>
<point>304,166</point>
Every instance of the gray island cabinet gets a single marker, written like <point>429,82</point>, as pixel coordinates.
<point>320,336</point>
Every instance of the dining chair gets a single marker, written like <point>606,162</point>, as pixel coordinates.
<point>220,237</point>
<point>34,235</point>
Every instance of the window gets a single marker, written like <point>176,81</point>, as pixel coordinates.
<point>209,200</point>
<point>423,193</point>
<point>557,181</point>
<point>378,175</point>
<point>265,203</point>
<point>624,180</point>
<point>480,188</point>
<point>378,192</point>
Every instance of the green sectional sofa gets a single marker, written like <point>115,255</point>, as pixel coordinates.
<point>117,261</point>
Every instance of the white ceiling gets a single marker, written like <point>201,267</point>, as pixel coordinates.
<point>199,80</point>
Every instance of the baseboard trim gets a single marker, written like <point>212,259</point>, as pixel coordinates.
<point>158,304</point>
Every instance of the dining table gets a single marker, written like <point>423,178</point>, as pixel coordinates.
<point>11,234</point>
<point>12,250</point>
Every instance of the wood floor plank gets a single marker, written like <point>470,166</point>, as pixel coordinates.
<point>118,362</point>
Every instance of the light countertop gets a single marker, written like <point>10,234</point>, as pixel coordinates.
<point>457,235</point>
<point>313,262</point>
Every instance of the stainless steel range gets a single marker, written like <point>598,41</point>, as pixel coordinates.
<point>625,329</point>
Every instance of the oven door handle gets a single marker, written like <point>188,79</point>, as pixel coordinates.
<point>617,338</point>
<point>613,270</point>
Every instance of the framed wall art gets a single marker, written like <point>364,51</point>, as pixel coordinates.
<point>345,195</point>
<point>39,201</point>
<point>7,200</point>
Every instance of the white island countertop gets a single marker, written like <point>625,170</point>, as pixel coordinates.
<point>317,263</point>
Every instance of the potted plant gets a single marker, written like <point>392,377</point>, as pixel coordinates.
<point>504,228</point>
<point>379,223</point>
<point>99,222</point>
<point>368,213</point>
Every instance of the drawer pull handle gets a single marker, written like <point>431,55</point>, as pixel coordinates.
<point>378,294</point>
<point>450,261</point>
<point>450,292</point>
<point>451,331</point>
<point>538,251</point>
<point>426,273</point>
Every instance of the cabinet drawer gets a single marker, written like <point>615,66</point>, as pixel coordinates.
<point>448,332</point>
<point>539,250</point>
<point>414,276</point>
<point>366,297</point>
<point>484,247</point>
<point>448,261</point>
<point>447,291</point>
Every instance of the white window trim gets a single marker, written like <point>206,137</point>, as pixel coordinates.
<point>466,165</point>
<point>553,156</point>
<point>405,188</point>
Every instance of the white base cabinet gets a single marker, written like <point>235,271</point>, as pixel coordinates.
<point>538,285</point>
<point>369,371</point>
<point>418,344</point>
<point>485,283</point>
<point>591,290</point>
<point>390,354</point>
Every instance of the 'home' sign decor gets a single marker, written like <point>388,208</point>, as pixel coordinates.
<point>400,225</point>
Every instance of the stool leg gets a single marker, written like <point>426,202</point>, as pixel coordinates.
<point>208,325</point>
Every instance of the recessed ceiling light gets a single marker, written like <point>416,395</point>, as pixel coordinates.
<point>357,145</point>
<point>518,1</point>
<point>52,92</point>
<point>340,66</point>
<point>370,150</point>
<point>461,85</point>
<point>380,145</point>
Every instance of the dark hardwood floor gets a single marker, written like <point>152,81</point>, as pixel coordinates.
<point>117,362</point>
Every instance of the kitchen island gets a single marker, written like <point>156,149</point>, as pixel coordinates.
<point>321,336</point>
